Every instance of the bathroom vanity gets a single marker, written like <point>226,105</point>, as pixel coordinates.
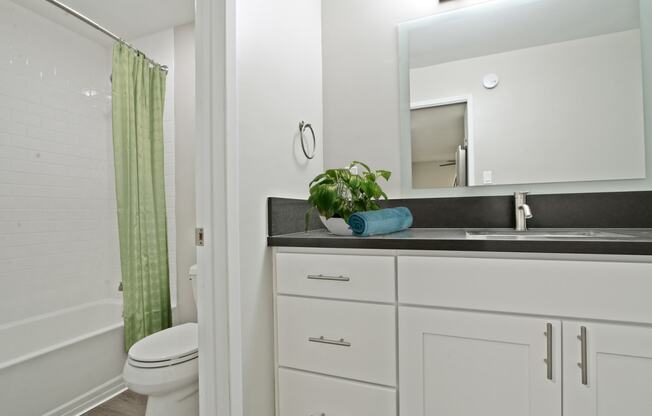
<point>438,320</point>
<point>387,332</point>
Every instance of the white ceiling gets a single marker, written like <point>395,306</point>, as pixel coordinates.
<point>128,19</point>
<point>506,25</point>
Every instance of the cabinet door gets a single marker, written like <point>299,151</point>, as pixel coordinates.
<point>617,365</point>
<point>468,364</point>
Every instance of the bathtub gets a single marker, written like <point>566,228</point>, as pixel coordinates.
<point>62,363</point>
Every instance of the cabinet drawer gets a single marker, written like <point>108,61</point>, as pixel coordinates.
<point>303,394</point>
<point>366,278</point>
<point>588,289</point>
<point>359,339</point>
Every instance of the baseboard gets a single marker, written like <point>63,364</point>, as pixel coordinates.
<point>91,399</point>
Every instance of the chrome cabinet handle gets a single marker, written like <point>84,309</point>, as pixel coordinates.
<point>583,364</point>
<point>322,340</point>
<point>323,277</point>
<point>548,359</point>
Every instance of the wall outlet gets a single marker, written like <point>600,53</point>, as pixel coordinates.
<point>487,177</point>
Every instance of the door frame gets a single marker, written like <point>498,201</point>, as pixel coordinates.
<point>470,128</point>
<point>216,156</point>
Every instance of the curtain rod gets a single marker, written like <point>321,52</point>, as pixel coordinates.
<point>102,29</point>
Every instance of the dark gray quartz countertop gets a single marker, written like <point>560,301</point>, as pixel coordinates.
<point>637,242</point>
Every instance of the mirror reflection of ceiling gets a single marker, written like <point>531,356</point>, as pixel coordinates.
<point>436,132</point>
<point>498,26</point>
<point>129,19</point>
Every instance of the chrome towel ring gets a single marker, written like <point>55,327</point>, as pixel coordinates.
<point>303,126</point>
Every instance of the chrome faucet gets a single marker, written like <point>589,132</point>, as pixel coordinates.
<point>521,210</point>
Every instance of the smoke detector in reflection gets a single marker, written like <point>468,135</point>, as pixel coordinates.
<point>490,81</point>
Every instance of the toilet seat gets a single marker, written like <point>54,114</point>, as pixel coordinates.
<point>167,348</point>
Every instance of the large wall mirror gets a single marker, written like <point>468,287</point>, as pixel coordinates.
<point>523,92</point>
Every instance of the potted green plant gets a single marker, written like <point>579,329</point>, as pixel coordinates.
<point>338,193</point>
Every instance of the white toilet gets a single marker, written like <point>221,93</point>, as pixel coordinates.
<point>163,366</point>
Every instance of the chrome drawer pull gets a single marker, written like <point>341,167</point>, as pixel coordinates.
<point>548,359</point>
<point>323,340</point>
<point>583,364</point>
<point>334,278</point>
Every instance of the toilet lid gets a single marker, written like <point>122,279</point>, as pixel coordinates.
<point>165,348</point>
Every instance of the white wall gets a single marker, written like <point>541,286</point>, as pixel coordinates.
<point>361,82</point>
<point>184,118</point>
<point>568,111</point>
<point>160,48</point>
<point>58,232</point>
<point>279,84</point>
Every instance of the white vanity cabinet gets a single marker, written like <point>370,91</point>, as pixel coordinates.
<point>505,357</point>
<point>335,334</point>
<point>607,369</point>
<point>463,364</point>
<point>462,335</point>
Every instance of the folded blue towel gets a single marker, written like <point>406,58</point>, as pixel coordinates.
<point>383,221</point>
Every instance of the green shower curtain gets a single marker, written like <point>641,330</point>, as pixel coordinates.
<point>138,101</point>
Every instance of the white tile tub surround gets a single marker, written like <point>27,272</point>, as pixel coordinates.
<point>58,226</point>
<point>58,233</point>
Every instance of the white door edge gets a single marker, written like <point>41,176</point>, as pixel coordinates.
<point>220,362</point>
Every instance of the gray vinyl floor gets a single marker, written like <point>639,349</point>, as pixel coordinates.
<point>124,404</point>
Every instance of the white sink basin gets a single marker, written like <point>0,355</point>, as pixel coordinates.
<point>546,234</point>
